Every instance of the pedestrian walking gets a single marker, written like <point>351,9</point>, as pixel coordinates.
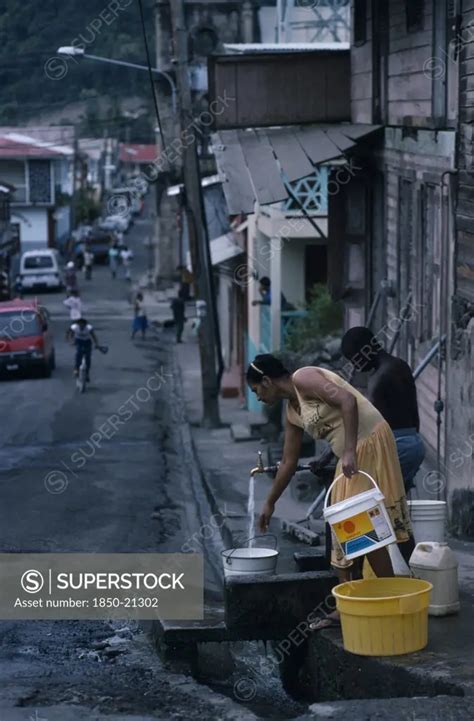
<point>140,321</point>
<point>186,279</point>
<point>70,278</point>
<point>126,257</point>
<point>178,310</point>
<point>88,262</point>
<point>113,260</point>
<point>74,303</point>
<point>79,253</point>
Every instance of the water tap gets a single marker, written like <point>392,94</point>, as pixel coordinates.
<point>260,468</point>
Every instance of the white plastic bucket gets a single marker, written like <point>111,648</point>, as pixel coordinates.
<point>248,561</point>
<point>428,519</point>
<point>360,524</point>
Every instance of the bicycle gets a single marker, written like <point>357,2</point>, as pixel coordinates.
<point>81,378</point>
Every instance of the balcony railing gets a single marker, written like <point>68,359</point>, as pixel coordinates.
<point>288,320</point>
<point>265,329</point>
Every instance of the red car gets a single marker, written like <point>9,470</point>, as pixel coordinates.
<point>26,341</point>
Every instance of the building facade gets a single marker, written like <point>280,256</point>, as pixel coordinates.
<point>411,73</point>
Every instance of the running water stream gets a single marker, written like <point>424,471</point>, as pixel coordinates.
<point>251,511</point>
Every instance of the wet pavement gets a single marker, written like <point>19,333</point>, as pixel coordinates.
<point>71,484</point>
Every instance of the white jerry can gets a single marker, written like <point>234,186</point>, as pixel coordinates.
<point>436,563</point>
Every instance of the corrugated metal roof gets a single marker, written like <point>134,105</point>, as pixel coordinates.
<point>20,146</point>
<point>252,163</point>
<point>285,47</point>
<point>136,153</point>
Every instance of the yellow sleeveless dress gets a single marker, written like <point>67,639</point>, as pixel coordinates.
<point>376,454</point>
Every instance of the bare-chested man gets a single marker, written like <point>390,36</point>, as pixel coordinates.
<point>392,391</point>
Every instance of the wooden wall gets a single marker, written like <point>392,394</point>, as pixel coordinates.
<point>465,203</point>
<point>361,76</point>
<point>408,83</point>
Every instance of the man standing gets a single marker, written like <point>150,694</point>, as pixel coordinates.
<point>88,262</point>
<point>70,277</point>
<point>265,290</point>
<point>126,256</point>
<point>185,282</point>
<point>113,259</point>
<point>178,307</point>
<point>73,302</point>
<point>392,391</point>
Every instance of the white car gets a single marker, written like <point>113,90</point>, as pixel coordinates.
<point>39,269</point>
<point>116,222</point>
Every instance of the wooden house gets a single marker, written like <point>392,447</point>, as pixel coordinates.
<point>408,217</point>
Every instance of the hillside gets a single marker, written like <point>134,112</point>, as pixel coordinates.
<point>34,81</point>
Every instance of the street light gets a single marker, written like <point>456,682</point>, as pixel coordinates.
<point>73,52</point>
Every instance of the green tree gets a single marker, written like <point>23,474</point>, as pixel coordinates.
<point>324,317</point>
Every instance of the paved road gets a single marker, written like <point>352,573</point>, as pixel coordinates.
<point>48,440</point>
<point>72,480</point>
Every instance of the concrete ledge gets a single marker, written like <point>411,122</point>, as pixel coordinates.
<point>269,607</point>
<point>312,559</point>
<point>332,673</point>
<point>441,708</point>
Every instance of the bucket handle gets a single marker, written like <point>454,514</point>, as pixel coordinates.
<point>260,535</point>
<point>341,475</point>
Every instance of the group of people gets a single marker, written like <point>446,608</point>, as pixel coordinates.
<point>84,259</point>
<point>120,254</point>
<point>378,434</point>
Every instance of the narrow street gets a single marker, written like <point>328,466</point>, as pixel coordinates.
<point>256,219</point>
<point>54,502</point>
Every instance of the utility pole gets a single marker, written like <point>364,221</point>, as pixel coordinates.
<point>194,203</point>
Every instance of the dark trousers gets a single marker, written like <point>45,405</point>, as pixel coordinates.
<point>83,348</point>
<point>179,328</point>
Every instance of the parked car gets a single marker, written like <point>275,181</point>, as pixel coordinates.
<point>26,341</point>
<point>119,223</point>
<point>39,270</point>
<point>99,242</point>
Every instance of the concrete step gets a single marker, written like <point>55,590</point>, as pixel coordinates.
<point>240,432</point>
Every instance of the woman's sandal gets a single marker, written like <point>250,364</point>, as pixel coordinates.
<point>323,623</point>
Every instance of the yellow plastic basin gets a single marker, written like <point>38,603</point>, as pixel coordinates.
<point>384,616</point>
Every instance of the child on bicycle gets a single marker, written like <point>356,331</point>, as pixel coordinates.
<point>83,335</point>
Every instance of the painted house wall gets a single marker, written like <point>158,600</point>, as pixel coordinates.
<point>33,226</point>
<point>293,261</point>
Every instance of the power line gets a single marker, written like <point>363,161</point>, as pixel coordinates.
<point>150,74</point>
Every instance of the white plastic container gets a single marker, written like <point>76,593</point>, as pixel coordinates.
<point>436,563</point>
<point>360,524</point>
<point>428,520</point>
<point>247,561</point>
